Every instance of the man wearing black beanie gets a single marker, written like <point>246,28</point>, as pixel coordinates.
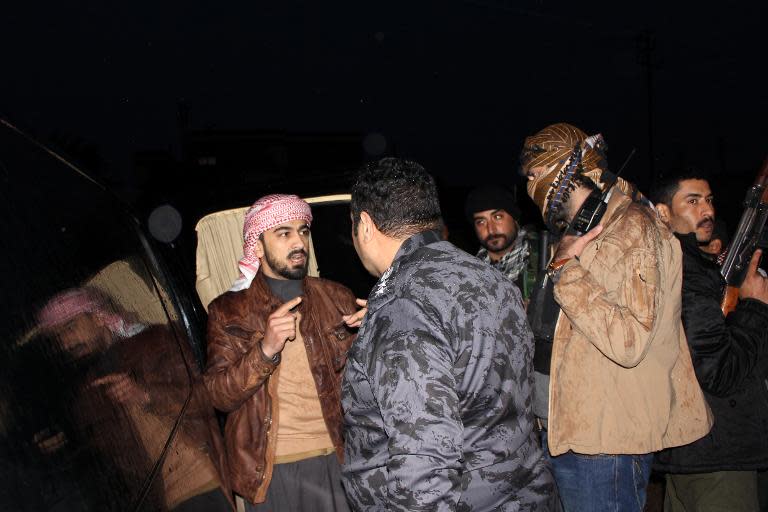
<point>493,211</point>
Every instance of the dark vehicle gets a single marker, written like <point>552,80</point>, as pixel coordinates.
<point>101,402</point>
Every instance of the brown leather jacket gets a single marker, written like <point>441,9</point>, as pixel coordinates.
<point>243,383</point>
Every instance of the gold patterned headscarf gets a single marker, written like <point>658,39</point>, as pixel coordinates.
<point>554,144</point>
<point>554,148</point>
<point>566,153</point>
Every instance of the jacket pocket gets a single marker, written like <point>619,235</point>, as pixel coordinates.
<point>339,340</point>
<point>243,337</point>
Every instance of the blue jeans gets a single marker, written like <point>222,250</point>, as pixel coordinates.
<point>600,483</point>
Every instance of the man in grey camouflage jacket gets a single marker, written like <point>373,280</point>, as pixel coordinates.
<point>437,387</point>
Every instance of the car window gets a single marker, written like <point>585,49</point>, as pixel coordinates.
<point>100,400</point>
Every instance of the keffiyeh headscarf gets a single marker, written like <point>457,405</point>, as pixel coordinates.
<point>266,213</point>
<point>66,305</point>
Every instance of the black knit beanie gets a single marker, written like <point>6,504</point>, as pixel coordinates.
<point>491,197</point>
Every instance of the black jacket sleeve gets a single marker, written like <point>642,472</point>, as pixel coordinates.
<point>724,350</point>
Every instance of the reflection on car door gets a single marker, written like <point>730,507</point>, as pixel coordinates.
<point>101,404</point>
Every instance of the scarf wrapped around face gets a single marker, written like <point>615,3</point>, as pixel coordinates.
<point>554,148</point>
<point>266,213</point>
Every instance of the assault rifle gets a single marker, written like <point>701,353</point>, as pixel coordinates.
<point>750,235</point>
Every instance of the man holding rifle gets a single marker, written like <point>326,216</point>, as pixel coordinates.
<point>717,472</point>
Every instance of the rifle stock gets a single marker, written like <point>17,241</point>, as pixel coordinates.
<point>748,236</point>
<point>730,299</point>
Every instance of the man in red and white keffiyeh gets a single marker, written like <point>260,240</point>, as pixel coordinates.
<point>284,428</point>
<point>267,213</point>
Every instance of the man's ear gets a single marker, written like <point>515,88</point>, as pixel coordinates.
<point>664,213</point>
<point>259,248</point>
<point>367,227</point>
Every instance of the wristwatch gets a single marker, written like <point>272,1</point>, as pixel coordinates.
<point>553,269</point>
<point>275,359</point>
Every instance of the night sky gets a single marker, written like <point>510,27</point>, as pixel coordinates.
<point>454,84</point>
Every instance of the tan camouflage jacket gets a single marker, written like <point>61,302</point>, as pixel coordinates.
<point>622,381</point>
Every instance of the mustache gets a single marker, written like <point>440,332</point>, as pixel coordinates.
<point>296,252</point>
<point>493,237</point>
<point>703,222</point>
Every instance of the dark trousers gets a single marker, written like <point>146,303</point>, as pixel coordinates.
<point>731,491</point>
<point>310,485</point>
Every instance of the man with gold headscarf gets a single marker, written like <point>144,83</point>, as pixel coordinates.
<point>621,381</point>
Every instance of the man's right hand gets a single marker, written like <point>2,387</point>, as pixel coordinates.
<point>356,318</point>
<point>755,286</point>
<point>572,246</point>
<point>281,327</point>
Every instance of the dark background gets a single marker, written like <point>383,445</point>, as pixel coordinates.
<point>210,105</point>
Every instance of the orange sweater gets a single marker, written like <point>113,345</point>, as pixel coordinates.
<point>301,430</point>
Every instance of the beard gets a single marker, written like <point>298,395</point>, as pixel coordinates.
<point>498,243</point>
<point>286,268</point>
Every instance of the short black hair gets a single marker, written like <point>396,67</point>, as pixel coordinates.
<point>399,195</point>
<point>666,188</point>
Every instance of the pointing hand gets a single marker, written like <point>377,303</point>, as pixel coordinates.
<point>281,327</point>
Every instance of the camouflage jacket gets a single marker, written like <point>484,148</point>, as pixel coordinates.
<point>437,390</point>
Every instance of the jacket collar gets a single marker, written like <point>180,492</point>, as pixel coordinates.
<point>617,203</point>
<point>260,291</point>
<point>381,290</point>
<point>414,242</point>
<point>690,246</point>
<point>688,241</point>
